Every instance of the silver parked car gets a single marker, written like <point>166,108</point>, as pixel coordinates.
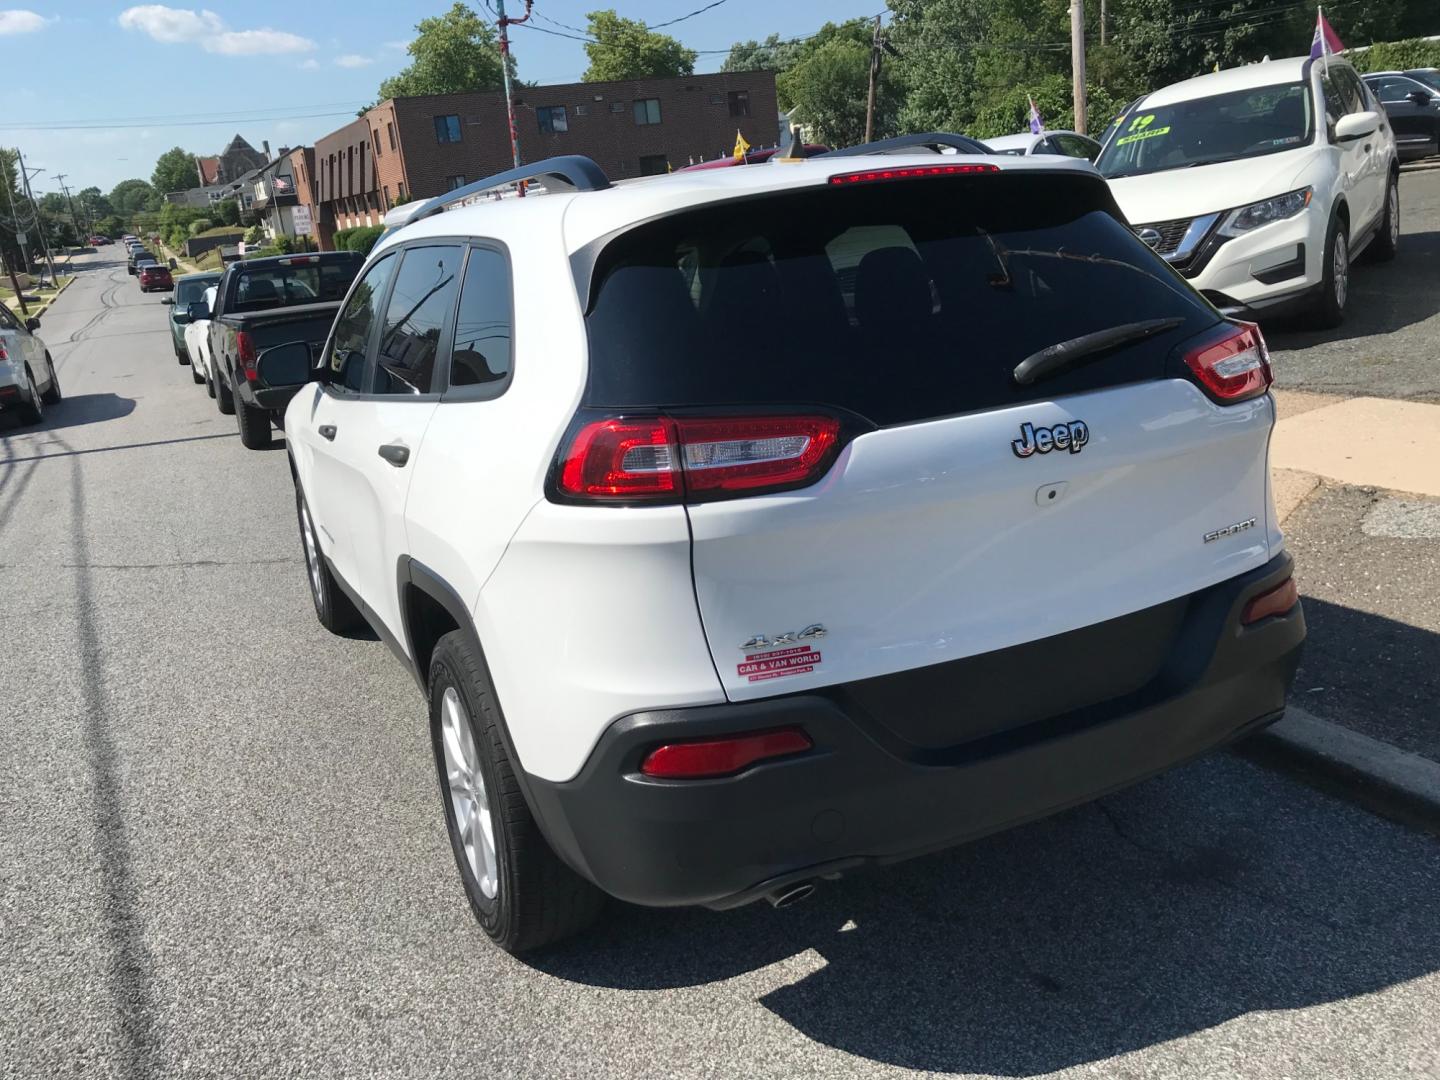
<point>27,374</point>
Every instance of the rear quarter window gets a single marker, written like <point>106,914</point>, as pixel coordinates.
<point>897,301</point>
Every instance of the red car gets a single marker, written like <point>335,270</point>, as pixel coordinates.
<point>155,276</point>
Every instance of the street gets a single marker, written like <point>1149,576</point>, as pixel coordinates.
<point>223,852</point>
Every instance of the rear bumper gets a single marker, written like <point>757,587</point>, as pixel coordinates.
<point>861,797</point>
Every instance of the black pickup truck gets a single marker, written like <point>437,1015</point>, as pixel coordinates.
<point>265,302</point>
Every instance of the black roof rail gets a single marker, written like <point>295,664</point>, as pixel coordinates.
<point>574,171</point>
<point>928,139</point>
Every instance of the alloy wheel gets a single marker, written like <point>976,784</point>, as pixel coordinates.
<point>1392,211</point>
<point>465,788</point>
<point>1341,270</point>
<point>35,402</point>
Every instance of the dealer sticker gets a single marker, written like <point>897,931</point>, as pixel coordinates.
<point>776,665</point>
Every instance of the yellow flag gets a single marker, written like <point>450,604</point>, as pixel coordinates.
<point>741,146</point>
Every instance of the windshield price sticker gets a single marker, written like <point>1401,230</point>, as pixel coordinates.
<point>1140,129</point>
<point>776,665</point>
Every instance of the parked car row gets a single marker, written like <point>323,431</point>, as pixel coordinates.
<point>1412,102</point>
<point>704,624</point>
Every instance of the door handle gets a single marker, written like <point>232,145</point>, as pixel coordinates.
<point>327,431</point>
<point>396,454</point>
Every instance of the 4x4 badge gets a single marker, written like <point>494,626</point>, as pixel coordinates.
<point>1072,436</point>
<point>811,633</point>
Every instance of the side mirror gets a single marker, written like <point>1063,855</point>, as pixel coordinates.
<point>197,310</point>
<point>1356,126</point>
<point>285,365</point>
<point>168,300</point>
<point>1419,97</point>
<point>32,324</point>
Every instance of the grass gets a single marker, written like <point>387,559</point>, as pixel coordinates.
<point>47,296</point>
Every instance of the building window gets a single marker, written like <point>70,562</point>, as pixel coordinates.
<point>552,119</point>
<point>647,110</point>
<point>581,110</point>
<point>654,164</point>
<point>617,107</point>
<point>400,193</point>
<point>377,145</point>
<point>391,129</point>
<point>457,181</point>
<point>739,102</point>
<point>386,191</point>
<point>447,129</point>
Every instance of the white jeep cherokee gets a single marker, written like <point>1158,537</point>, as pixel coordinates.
<point>747,527</point>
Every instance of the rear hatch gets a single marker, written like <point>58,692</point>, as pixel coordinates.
<point>959,511</point>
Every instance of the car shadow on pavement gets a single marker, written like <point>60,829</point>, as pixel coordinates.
<point>1216,890</point>
<point>71,412</point>
<point>1384,297</point>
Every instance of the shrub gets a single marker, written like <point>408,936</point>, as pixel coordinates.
<point>341,239</point>
<point>1396,55</point>
<point>199,225</point>
<point>363,238</point>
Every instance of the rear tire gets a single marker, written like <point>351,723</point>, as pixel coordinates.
<point>181,358</point>
<point>335,610</point>
<point>223,397</point>
<point>209,383</point>
<point>195,374</point>
<point>1387,240</point>
<point>254,426</point>
<point>1329,308</point>
<point>523,896</point>
<point>32,411</point>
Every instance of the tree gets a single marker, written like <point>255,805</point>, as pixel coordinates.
<point>829,89</point>
<point>175,171</point>
<point>130,197</point>
<point>781,57</point>
<point>772,54</point>
<point>228,212</point>
<point>628,49</point>
<point>451,54</point>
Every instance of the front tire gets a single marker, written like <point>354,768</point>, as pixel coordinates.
<point>523,896</point>
<point>32,411</point>
<point>254,426</point>
<point>53,395</point>
<point>223,397</point>
<point>181,358</point>
<point>336,612</point>
<point>1329,310</point>
<point>1387,240</point>
<point>209,383</point>
<point>196,375</point>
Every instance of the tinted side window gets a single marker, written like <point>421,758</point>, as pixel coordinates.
<point>481,356</point>
<point>350,340</point>
<point>419,309</point>
<point>1354,94</point>
<point>1334,100</point>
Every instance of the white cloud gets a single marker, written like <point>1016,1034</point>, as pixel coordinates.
<point>310,64</point>
<point>184,26</point>
<point>351,60</point>
<point>20,21</point>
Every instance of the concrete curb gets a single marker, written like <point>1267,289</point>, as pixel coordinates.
<point>1381,777</point>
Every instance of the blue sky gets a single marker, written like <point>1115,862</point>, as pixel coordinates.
<point>268,67</point>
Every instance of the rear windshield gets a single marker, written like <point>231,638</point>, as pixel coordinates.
<point>898,301</point>
<point>289,286</point>
<point>186,292</point>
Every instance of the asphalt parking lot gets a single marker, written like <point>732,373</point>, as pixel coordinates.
<point>222,850</point>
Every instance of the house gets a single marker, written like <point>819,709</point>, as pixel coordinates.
<point>419,147</point>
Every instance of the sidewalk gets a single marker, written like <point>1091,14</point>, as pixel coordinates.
<point>1357,487</point>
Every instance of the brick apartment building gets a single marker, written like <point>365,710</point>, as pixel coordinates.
<point>419,147</point>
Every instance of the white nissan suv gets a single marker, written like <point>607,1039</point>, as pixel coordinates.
<point>1262,183</point>
<point>748,527</point>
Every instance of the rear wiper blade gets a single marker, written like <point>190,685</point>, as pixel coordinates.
<point>1056,358</point>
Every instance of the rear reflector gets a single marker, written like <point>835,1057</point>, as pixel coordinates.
<point>721,757</point>
<point>1277,601</point>
<point>666,458</point>
<point>1236,367</point>
<point>871,176</point>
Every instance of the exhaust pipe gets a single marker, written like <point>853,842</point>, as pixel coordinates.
<point>787,895</point>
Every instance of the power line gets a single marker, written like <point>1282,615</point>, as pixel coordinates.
<point>682,18</point>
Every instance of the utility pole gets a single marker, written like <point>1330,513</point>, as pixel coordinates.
<point>15,284</point>
<point>1077,61</point>
<point>505,23</point>
<point>875,54</point>
<point>1102,21</point>
<point>35,213</point>
<point>74,217</point>
<point>15,218</point>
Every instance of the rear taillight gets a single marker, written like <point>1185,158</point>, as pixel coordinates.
<point>1233,366</point>
<point>872,176</point>
<point>299,260</point>
<point>1277,601</point>
<point>3,354</point>
<point>661,458</point>
<point>721,757</point>
<point>245,351</point>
